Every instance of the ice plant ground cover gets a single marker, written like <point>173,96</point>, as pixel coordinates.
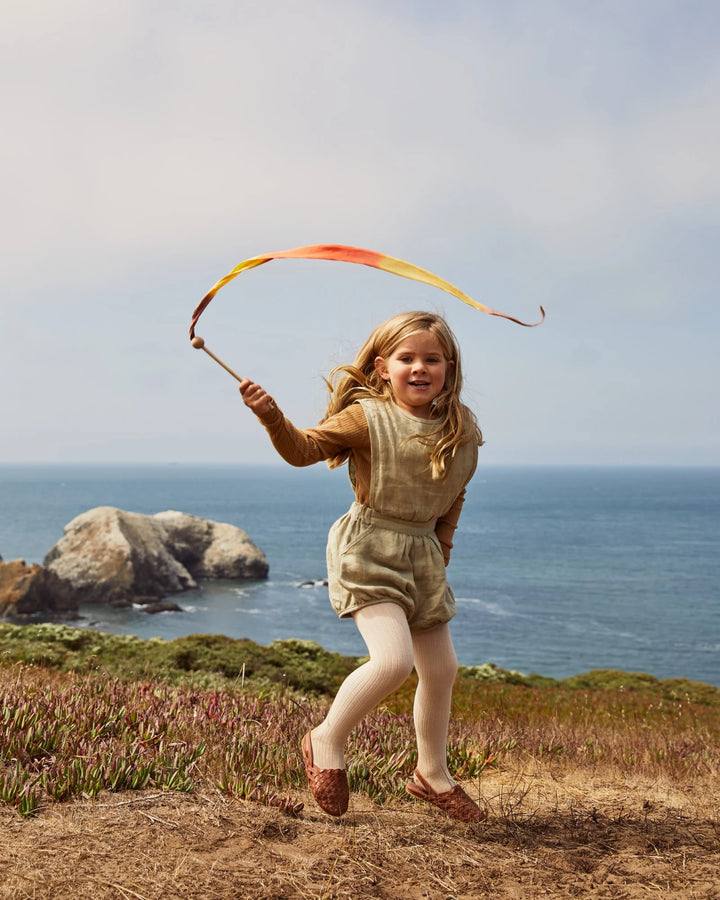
<point>80,716</point>
<point>71,735</point>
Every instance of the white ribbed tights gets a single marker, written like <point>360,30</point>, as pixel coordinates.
<point>393,651</point>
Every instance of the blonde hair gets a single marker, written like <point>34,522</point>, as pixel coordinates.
<point>456,423</point>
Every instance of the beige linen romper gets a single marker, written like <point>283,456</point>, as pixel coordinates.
<point>388,550</point>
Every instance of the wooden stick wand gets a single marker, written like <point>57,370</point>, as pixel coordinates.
<point>199,344</point>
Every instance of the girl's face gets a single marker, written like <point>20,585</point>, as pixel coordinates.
<point>416,370</point>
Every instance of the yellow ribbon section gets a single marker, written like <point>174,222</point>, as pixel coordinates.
<point>342,253</point>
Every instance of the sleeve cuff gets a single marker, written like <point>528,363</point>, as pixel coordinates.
<point>272,417</point>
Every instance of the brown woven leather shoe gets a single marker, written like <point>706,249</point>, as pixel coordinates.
<point>455,802</point>
<point>329,786</point>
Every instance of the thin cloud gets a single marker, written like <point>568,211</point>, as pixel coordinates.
<point>531,152</point>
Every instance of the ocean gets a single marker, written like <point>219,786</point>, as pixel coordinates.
<point>555,570</point>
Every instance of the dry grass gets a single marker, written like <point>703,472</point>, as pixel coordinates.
<point>549,834</point>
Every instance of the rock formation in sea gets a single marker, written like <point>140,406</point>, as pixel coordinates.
<point>111,556</point>
<point>29,590</point>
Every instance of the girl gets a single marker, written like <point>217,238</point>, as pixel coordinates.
<point>396,415</point>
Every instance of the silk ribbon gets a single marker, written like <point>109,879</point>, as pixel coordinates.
<point>342,253</point>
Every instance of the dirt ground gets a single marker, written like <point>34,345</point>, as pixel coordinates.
<point>546,836</point>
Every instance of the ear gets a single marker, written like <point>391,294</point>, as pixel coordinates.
<point>381,368</point>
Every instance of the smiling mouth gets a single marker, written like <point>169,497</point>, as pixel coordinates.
<point>419,384</point>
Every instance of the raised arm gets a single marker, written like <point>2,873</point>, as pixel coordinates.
<point>303,447</point>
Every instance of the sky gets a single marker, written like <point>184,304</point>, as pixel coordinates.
<point>536,152</point>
